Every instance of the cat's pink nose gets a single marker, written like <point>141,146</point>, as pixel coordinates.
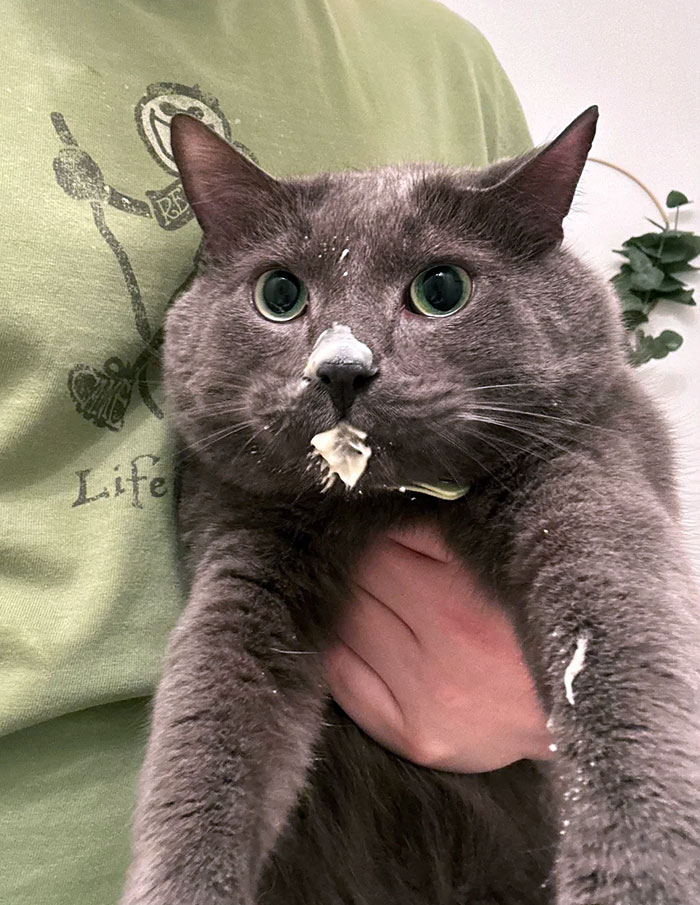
<point>344,379</point>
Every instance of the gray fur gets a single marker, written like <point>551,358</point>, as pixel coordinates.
<point>255,787</point>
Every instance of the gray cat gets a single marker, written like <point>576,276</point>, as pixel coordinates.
<point>368,348</point>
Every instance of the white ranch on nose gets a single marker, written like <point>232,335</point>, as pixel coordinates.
<point>337,344</point>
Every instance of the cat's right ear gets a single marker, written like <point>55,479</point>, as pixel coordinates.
<point>526,209</point>
<point>228,193</point>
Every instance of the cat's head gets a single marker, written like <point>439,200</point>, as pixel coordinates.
<point>431,308</point>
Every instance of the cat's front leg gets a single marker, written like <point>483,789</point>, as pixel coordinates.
<point>612,628</point>
<point>234,721</point>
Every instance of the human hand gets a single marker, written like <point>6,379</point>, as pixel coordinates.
<point>429,666</point>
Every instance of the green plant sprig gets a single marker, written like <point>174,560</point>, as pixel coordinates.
<point>650,275</point>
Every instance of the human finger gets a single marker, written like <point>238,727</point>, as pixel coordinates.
<point>378,634</point>
<point>402,578</point>
<point>363,694</point>
<point>424,538</point>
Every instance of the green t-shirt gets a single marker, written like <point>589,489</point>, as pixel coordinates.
<point>96,237</point>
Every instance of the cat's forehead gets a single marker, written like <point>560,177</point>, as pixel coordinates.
<point>384,195</point>
<point>381,185</point>
<point>396,215</point>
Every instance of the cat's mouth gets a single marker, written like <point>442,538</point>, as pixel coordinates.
<point>345,454</point>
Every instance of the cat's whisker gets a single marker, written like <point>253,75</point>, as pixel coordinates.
<point>227,408</point>
<point>496,386</point>
<point>228,380</point>
<point>530,451</point>
<point>514,427</point>
<point>445,464</point>
<point>551,432</point>
<point>494,441</point>
<point>202,442</point>
<point>501,408</point>
<point>233,428</point>
<point>483,438</point>
<point>444,461</point>
<point>245,446</point>
<point>221,434</point>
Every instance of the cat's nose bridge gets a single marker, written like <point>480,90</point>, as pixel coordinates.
<point>341,363</point>
<point>338,344</point>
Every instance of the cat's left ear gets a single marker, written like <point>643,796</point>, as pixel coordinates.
<point>229,194</point>
<point>537,195</point>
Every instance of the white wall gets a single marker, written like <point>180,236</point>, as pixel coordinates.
<point>640,62</point>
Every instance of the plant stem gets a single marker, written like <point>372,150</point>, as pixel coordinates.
<point>614,166</point>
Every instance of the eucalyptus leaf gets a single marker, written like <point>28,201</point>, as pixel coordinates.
<point>676,199</point>
<point>658,349</point>
<point>678,266</point>
<point>622,278</point>
<point>632,319</point>
<point>647,241</point>
<point>640,351</point>
<point>647,279</point>
<point>629,300</point>
<point>670,339</point>
<point>632,302</point>
<point>682,296</point>
<point>670,284</point>
<point>639,260</point>
<point>679,248</point>
<point>657,237</point>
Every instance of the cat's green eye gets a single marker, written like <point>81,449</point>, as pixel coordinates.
<point>279,295</point>
<point>441,290</point>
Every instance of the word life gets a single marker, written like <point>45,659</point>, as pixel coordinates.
<point>137,480</point>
